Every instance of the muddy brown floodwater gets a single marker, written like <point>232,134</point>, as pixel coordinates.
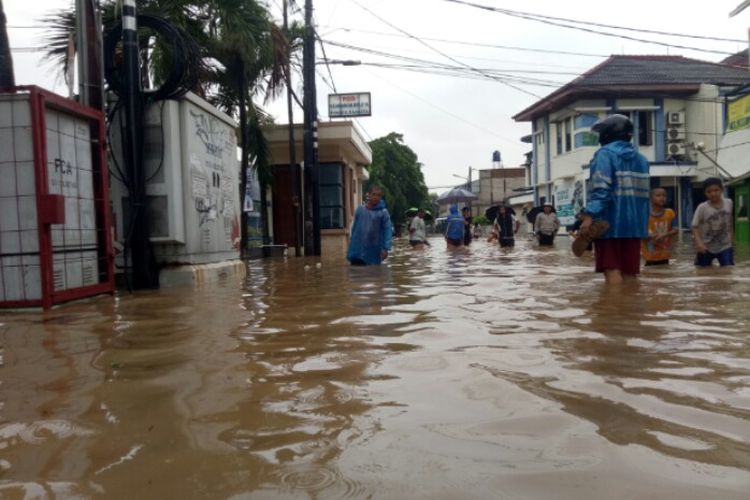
<point>472,374</point>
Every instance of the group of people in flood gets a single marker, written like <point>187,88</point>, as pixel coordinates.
<point>624,220</point>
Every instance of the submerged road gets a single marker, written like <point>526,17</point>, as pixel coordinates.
<point>478,373</point>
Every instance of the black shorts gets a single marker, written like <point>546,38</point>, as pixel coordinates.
<point>507,242</point>
<point>454,242</point>
<point>546,239</point>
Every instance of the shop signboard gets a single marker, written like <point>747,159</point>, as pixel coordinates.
<point>738,114</point>
<point>349,105</point>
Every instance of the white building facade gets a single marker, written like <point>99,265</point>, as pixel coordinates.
<point>673,119</point>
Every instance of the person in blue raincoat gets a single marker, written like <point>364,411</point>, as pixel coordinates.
<point>616,215</point>
<point>454,228</point>
<point>372,231</point>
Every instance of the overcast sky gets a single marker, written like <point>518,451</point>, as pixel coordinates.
<point>454,123</point>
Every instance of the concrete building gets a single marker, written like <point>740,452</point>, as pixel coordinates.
<point>496,186</point>
<point>343,156</point>
<point>734,158</point>
<point>675,104</point>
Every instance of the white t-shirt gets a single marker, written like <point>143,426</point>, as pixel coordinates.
<point>419,233</point>
<point>714,225</point>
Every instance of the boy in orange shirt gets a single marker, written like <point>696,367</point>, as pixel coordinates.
<point>661,228</point>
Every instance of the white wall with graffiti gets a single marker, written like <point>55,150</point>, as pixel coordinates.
<point>192,167</point>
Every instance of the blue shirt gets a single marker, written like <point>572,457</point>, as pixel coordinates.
<point>620,190</point>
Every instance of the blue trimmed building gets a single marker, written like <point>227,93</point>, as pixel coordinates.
<point>677,108</point>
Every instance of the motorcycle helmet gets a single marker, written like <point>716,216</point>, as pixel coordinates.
<point>613,128</point>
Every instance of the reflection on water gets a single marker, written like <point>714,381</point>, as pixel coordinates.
<point>479,373</point>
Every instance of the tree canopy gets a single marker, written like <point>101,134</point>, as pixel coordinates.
<point>397,171</point>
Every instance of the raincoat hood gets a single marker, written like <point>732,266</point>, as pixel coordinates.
<point>623,149</point>
<point>453,210</point>
<point>379,206</point>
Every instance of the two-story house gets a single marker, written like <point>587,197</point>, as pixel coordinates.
<point>676,105</point>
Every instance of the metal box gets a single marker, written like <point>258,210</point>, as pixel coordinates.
<point>192,169</point>
<point>55,240</point>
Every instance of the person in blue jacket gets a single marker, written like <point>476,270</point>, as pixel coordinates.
<point>616,214</point>
<point>454,228</point>
<point>372,231</point>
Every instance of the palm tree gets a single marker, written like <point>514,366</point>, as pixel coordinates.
<point>7,79</point>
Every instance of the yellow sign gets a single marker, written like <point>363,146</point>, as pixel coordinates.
<point>739,114</point>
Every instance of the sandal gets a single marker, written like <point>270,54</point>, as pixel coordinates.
<point>581,243</point>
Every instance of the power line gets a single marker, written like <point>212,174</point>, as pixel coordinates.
<point>401,49</point>
<point>414,64</point>
<point>612,26</point>
<point>537,18</point>
<point>325,58</point>
<point>515,87</point>
<point>477,44</point>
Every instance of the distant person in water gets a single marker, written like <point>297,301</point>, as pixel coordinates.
<point>417,231</point>
<point>454,228</point>
<point>662,222</point>
<point>466,213</point>
<point>712,227</point>
<point>546,225</point>
<point>506,226</point>
<point>372,231</point>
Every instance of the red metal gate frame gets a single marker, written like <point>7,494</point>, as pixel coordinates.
<point>40,100</point>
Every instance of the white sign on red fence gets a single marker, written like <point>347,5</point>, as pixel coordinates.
<point>346,105</point>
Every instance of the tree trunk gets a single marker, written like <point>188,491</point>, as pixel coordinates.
<point>7,79</point>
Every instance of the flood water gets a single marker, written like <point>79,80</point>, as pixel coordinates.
<point>443,375</point>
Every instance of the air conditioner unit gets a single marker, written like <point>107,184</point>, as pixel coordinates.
<point>676,150</point>
<point>675,134</point>
<point>676,118</point>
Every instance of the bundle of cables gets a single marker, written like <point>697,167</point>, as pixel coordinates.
<point>184,53</point>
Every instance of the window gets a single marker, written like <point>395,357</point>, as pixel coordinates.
<point>331,196</point>
<point>583,135</point>
<point>645,128</point>
<point>568,136</point>
<point>558,129</point>
<point>645,122</point>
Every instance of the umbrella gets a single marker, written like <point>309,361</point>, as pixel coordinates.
<point>413,211</point>
<point>456,195</point>
<point>531,216</point>
<point>491,213</point>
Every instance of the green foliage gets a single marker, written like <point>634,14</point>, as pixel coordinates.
<point>480,220</point>
<point>395,168</point>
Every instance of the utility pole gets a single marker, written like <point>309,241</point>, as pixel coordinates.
<point>292,143</point>
<point>312,173</point>
<point>7,77</point>
<point>90,55</point>
<point>144,271</point>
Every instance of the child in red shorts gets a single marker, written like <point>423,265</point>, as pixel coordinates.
<point>616,214</point>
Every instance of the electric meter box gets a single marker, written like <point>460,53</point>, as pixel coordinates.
<point>55,242</point>
<point>192,172</point>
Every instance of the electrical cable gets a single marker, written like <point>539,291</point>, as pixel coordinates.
<point>534,17</point>
<point>612,26</point>
<point>515,87</point>
<point>186,58</point>
<point>475,44</point>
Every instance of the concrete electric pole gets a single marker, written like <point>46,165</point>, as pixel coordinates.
<point>310,145</point>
